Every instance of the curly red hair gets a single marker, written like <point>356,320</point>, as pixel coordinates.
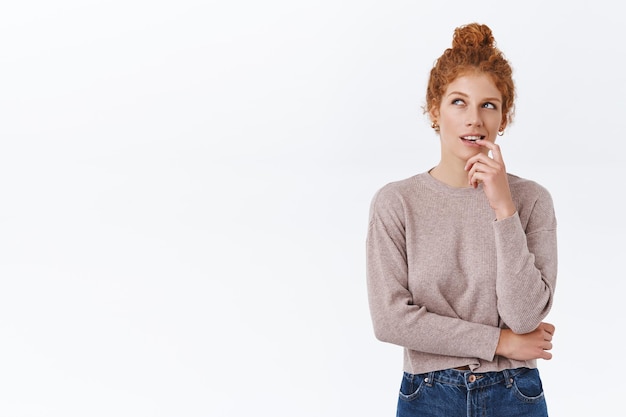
<point>473,50</point>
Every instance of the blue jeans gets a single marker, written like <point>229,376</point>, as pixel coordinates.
<point>453,393</point>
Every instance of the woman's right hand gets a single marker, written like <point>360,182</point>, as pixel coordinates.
<point>528,346</point>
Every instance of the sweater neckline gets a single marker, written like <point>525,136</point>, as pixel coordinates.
<point>437,185</point>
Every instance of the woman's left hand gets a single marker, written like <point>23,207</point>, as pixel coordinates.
<point>492,173</point>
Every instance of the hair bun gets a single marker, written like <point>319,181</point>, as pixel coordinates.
<point>473,35</point>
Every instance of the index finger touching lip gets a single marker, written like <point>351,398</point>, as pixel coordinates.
<point>493,148</point>
<point>486,143</point>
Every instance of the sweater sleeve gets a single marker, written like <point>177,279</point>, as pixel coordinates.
<point>527,265</point>
<point>396,319</point>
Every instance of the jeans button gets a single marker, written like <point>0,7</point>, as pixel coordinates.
<point>472,378</point>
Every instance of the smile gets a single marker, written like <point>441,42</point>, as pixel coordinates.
<point>472,138</point>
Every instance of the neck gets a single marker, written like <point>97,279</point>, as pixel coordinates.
<point>452,175</point>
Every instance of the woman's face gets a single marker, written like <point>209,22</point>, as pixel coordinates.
<point>471,108</point>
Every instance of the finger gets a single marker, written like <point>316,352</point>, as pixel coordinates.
<point>474,175</point>
<point>474,159</point>
<point>548,327</point>
<point>493,147</point>
<point>470,163</point>
<point>484,160</point>
<point>473,179</point>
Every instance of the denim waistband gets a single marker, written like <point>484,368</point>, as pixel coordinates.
<point>470,380</point>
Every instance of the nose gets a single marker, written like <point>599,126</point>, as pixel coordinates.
<point>473,118</point>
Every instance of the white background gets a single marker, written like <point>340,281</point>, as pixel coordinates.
<point>184,189</point>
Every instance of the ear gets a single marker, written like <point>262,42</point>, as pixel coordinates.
<point>504,123</point>
<point>434,115</point>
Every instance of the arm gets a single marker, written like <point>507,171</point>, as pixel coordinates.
<point>527,267</point>
<point>526,255</point>
<point>395,317</point>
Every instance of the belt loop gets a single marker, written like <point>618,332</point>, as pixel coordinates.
<point>508,380</point>
<point>430,378</point>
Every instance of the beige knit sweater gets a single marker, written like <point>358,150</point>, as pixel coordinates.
<point>443,276</point>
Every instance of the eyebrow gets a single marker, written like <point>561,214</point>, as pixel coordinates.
<point>465,95</point>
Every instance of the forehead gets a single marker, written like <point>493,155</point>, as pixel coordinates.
<point>474,85</point>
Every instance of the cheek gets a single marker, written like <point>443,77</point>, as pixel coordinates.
<point>447,119</point>
<point>496,120</point>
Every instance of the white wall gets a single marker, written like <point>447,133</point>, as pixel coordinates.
<point>185,185</point>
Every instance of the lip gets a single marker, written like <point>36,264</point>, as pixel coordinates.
<point>471,137</point>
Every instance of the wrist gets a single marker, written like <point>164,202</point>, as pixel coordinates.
<point>502,346</point>
<point>505,212</point>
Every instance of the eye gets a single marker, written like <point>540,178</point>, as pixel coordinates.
<point>458,102</point>
<point>489,105</point>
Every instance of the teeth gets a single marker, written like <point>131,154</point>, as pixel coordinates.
<point>472,138</point>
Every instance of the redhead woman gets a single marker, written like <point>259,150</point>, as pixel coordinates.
<point>462,258</point>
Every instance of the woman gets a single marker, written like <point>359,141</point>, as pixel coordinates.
<point>462,259</point>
